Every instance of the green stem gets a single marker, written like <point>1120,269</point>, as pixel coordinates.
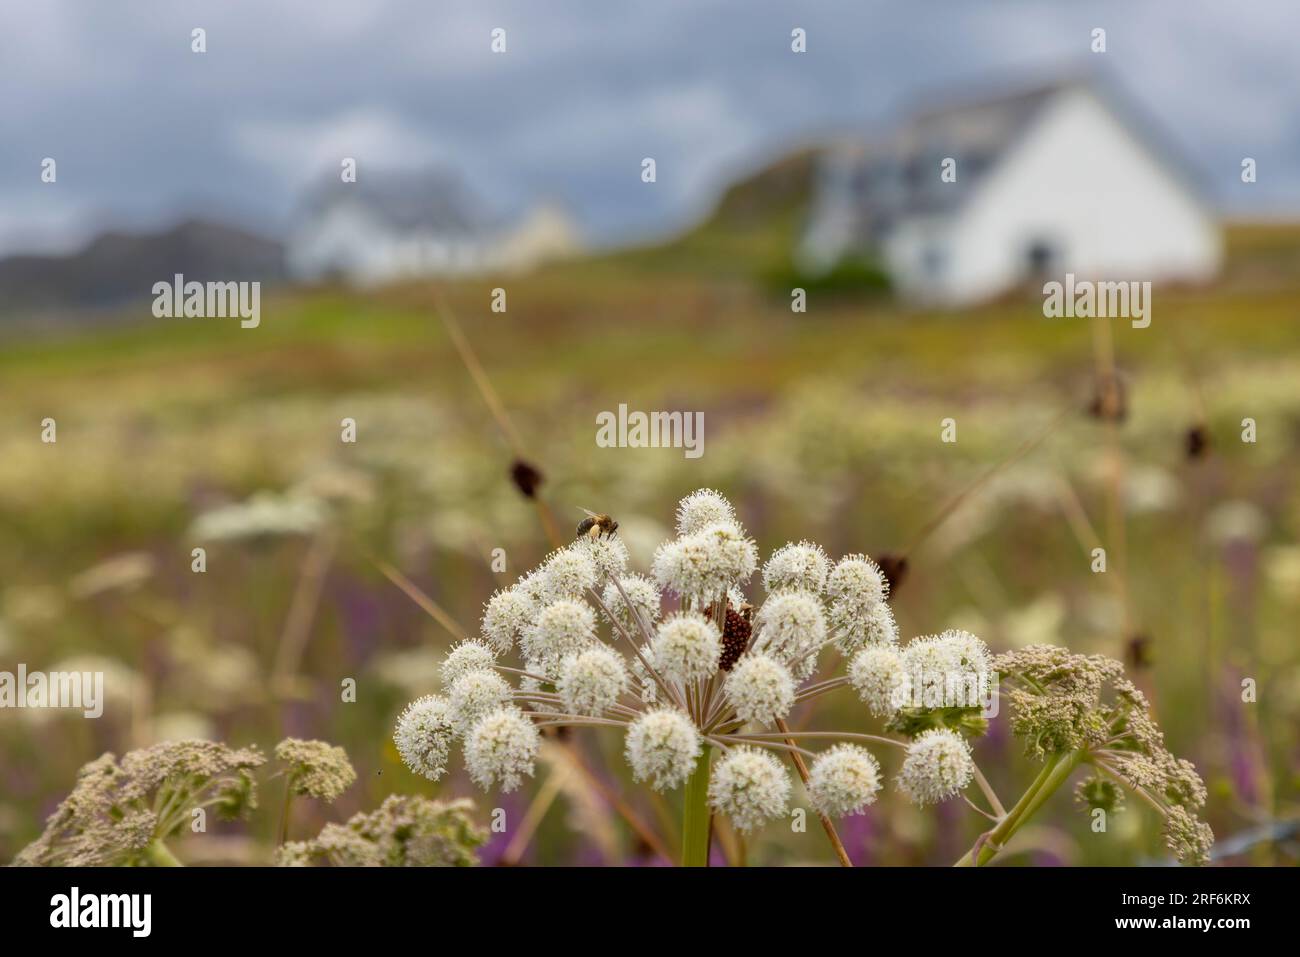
<point>284,810</point>
<point>1055,772</point>
<point>696,817</point>
<point>159,855</point>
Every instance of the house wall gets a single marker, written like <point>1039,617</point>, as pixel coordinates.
<point>1078,183</point>
<point>348,241</point>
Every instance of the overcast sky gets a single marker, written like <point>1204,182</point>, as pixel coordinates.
<point>145,131</point>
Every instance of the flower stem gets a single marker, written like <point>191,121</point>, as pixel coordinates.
<point>696,818</point>
<point>160,856</point>
<point>283,834</point>
<point>1054,773</point>
<point>836,844</point>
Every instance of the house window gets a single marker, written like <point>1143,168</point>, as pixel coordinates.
<point>1041,259</point>
<point>934,260</point>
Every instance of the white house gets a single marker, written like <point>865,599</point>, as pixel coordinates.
<point>391,226</point>
<point>1060,178</point>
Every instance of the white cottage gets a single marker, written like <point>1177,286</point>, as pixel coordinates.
<point>390,226</point>
<point>1060,178</point>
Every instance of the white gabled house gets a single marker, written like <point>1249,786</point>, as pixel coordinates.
<point>391,226</point>
<point>1060,178</point>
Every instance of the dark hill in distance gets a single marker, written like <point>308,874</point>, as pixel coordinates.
<point>117,267</point>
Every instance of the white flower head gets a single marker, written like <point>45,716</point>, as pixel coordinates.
<point>501,748</point>
<point>644,596</point>
<point>730,556</point>
<point>857,578</point>
<point>592,681</point>
<point>686,647</point>
<point>937,766</point>
<point>948,670</point>
<point>760,688</point>
<point>424,734</point>
<point>791,627</point>
<point>749,786</point>
<point>876,673</point>
<point>506,615</point>
<point>855,625</point>
<point>662,747</point>
<point>803,566</point>
<point>568,573</point>
<point>607,553</point>
<point>465,657</point>
<point>843,780</point>
<point>475,694</point>
<point>681,566</point>
<point>561,629</point>
<point>702,508</point>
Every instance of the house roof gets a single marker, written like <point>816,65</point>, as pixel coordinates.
<point>899,174</point>
<point>433,200</point>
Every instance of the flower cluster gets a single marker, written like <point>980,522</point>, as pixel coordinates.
<point>405,831</point>
<point>316,768</point>
<point>700,683</point>
<point>119,811</point>
<point>1068,703</point>
<point>709,677</point>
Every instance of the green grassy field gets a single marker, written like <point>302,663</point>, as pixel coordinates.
<point>824,425</point>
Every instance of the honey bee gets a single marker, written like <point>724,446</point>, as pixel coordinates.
<point>595,525</point>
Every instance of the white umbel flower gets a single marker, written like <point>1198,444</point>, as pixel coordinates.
<point>568,573</point>
<point>501,749</point>
<point>760,688</point>
<point>702,508</point>
<point>505,617</point>
<point>475,694</point>
<point>948,670</point>
<point>592,681</point>
<point>749,786</point>
<point>876,673</point>
<point>843,780</point>
<point>859,579</point>
<point>682,567</point>
<point>607,553</point>
<point>644,596</point>
<point>424,734</point>
<point>791,627</point>
<point>686,648</point>
<point>937,766</point>
<point>730,556</point>
<point>803,566</point>
<point>466,657</point>
<point>662,747</point>
<point>561,629</point>
<point>854,625</point>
